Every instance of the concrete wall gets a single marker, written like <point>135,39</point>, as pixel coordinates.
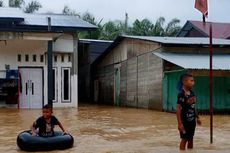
<point>10,50</point>
<point>63,44</point>
<point>140,75</point>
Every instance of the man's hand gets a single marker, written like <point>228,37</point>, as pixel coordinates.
<point>181,127</point>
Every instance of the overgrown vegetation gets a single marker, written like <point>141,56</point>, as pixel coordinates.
<point>111,29</point>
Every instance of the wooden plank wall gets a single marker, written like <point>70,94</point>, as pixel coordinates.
<point>141,76</point>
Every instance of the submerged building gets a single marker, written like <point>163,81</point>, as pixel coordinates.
<point>143,72</point>
<point>29,45</point>
<point>88,51</point>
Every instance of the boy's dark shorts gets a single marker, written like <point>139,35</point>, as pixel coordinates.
<point>189,130</point>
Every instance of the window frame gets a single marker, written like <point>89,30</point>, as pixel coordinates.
<point>62,85</point>
<point>55,90</point>
<point>19,58</point>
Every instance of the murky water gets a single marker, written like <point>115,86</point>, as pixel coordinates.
<point>104,129</point>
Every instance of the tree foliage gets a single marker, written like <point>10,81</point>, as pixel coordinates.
<point>16,3</point>
<point>111,29</point>
<point>32,7</point>
<point>173,27</point>
<point>142,28</point>
<point>88,17</point>
<point>1,3</point>
<point>68,11</point>
<point>146,28</point>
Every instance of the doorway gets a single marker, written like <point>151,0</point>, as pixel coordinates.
<point>32,88</point>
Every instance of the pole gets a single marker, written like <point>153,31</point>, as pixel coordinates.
<point>203,17</point>
<point>211,85</point>
<point>19,87</point>
<point>50,67</point>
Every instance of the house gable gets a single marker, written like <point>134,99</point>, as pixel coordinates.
<point>200,29</point>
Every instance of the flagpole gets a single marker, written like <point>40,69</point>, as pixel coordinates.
<point>202,6</point>
<point>203,17</point>
<point>211,84</point>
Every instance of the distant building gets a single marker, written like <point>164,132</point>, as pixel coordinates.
<point>88,51</point>
<point>199,29</point>
<point>25,40</point>
<point>143,72</point>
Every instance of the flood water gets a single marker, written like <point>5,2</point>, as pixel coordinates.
<point>105,129</point>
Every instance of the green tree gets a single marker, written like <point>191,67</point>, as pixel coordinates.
<point>1,3</point>
<point>158,29</point>
<point>88,17</point>
<point>32,7</point>
<point>172,27</point>
<point>68,11</point>
<point>146,28</point>
<point>110,31</point>
<point>142,28</point>
<point>16,3</point>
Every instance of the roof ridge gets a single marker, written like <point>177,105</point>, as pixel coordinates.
<point>209,22</point>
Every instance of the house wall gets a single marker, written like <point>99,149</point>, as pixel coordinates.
<point>221,98</point>
<point>140,75</point>
<point>10,50</point>
<point>84,71</point>
<point>63,44</point>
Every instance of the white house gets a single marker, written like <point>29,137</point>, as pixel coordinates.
<point>26,43</point>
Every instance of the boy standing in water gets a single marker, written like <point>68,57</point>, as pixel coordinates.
<point>45,124</point>
<point>187,115</point>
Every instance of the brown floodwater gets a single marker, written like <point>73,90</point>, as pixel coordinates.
<point>105,129</point>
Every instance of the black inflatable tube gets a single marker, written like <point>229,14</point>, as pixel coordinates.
<point>27,142</point>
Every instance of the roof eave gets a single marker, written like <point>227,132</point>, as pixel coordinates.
<point>113,45</point>
<point>54,29</point>
<point>193,26</point>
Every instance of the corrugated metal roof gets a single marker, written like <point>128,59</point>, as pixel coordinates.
<point>95,40</point>
<point>57,20</point>
<point>196,61</point>
<point>181,40</point>
<point>96,47</point>
<point>220,30</point>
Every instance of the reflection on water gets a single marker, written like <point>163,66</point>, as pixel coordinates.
<point>104,129</point>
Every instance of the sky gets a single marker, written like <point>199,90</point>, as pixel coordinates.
<point>219,10</point>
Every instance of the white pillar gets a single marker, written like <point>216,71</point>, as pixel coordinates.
<point>74,77</point>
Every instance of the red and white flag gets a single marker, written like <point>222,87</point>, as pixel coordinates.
<point>202,6</point>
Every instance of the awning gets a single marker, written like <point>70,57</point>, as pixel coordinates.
<point>196,61</point>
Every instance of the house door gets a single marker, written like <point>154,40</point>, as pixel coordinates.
<point>32,88</point>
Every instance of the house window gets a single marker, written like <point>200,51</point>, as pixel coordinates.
<point>62,58</point>
<point>34,58</point>
<point>41,58</point>
<point>54,85</point>
<point>55,58</point>
<point>69,58</point>
<point>65,84</point>
<point>19,58</point>
<point>27,58</point>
